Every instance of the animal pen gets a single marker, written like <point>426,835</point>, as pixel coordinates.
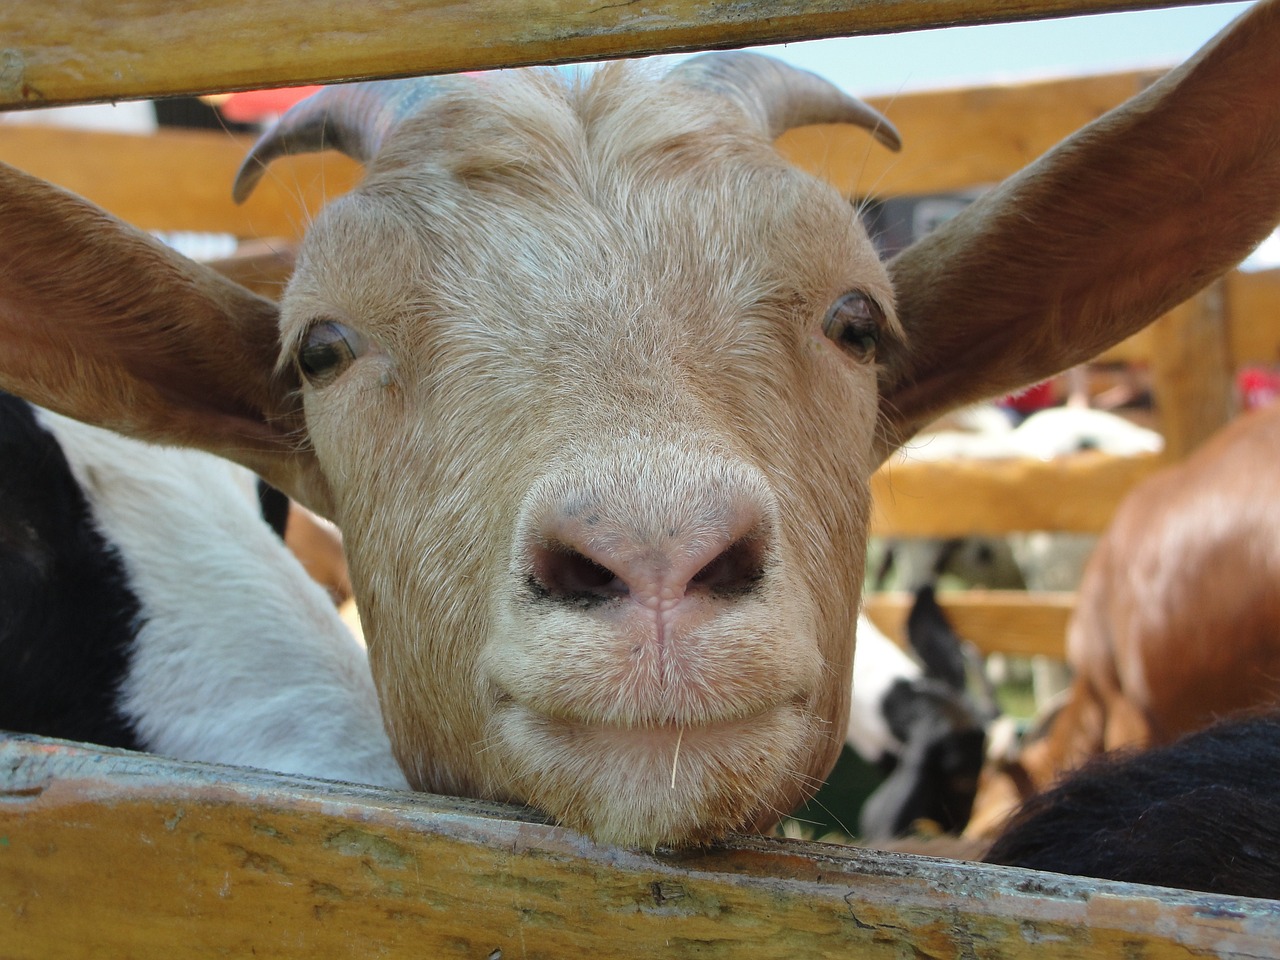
<point>108,853</point>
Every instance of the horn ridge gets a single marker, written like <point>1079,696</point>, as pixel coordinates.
<point>352,118</point>
<point>779,96</point>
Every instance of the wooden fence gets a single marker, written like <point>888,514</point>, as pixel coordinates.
<point>104,853</point>
<point>109,854</point>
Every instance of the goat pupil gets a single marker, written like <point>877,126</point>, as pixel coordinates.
<point>326,350</point>
<point>859,337</point>
<point>853,322</point>
<point>317,358</point>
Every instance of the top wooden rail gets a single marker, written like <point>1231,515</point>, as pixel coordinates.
<point>955,139</point>
<point>74,51</point>
<point>104,853</point>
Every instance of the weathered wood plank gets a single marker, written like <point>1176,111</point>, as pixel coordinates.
<point>958,139</point>
<point>1193,372</point>
<point>995,497</point>
<point>83,50</point>
<point>1016,622</point>
<point>955,140</point>
<point>1253,315</point>
<point>105,853</point>
<point>179,179</point>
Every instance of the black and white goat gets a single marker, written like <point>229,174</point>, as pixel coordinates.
<point>145,603</point>
<point>917,721</point>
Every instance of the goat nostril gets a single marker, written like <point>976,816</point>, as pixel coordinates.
<point>564,573</point>
<point>735,570</point>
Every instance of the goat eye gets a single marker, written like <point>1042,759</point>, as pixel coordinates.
<point>854,322</point>
<point>327,350</point>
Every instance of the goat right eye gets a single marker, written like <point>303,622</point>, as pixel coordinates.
<point>328,349</point>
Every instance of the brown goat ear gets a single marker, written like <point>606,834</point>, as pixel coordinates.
<point>100,322</point>
<point>1110,229</point>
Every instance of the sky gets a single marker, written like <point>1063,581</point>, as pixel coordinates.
<point>966,56</point>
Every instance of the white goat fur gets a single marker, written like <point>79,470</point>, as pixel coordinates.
<point>878,663</point>
<point>241,658</point>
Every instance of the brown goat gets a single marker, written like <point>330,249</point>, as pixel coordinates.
<point>1178,619</point>
<point>594,382</point>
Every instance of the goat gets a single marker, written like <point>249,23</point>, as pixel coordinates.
<point>146,604</point>
<point>1177,619</point>
<point>593,381</point>
<point>1199,814</point>
<point>917,721</point>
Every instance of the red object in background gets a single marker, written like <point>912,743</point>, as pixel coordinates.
<point>255,106</point>
<point>1258,387</point>
<point>1030,400</point>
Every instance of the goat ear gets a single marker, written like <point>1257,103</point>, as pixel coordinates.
<point>935,641</point>
<point>102,323</point>
<point>1110,229</point>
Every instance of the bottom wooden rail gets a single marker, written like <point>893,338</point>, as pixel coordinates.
<point>105,853</point>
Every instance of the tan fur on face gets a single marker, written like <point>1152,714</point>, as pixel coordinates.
<point>639,324</point>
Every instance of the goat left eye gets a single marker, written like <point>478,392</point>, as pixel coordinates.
<point>329,348</point>
<point>854,322</point>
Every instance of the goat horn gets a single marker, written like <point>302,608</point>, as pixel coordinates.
<point>779,96</point>
<point>352,118</point>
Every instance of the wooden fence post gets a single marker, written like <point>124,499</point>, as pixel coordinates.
<point>1192,371</point>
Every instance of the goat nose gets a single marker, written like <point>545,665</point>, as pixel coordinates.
<point>577,558</point>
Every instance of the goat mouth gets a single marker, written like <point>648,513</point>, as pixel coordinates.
<point>658,783</point>
<point>669,742</point>
<point>658,725</point>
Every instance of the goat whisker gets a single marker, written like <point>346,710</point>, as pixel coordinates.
<point>675,760</point>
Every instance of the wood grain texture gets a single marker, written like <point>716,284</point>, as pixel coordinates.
<point>958,139</point>
<point>68,51</point>
<point>1020,623</point>
<point>179,179</point>
<point>1076,493</point>
<point>1193,372</point>
<point>105,853</point>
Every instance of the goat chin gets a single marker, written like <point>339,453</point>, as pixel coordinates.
<point>646,785</point>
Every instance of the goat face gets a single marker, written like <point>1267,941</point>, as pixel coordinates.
<point>599,450</point>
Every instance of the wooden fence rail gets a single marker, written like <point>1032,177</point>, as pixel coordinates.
<point>85,50</point>
<point>107,853</point>
<point>954,140</point>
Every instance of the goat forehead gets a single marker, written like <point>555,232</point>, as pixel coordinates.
<point>527,176</point>
<point>594,262</point>
<point>718,243</point>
